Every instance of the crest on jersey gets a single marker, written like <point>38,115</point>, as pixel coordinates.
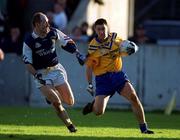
<point>53,40</point>
<point>37,45</point>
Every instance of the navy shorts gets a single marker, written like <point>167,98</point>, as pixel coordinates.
<point>110,82</point>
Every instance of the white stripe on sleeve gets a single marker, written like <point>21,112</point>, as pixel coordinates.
<point>27,54</point>
<point>62,39</point>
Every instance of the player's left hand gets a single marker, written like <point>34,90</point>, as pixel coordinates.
<point>81,58</point>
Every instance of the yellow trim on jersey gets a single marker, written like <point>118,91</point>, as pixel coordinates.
<point>105,56</point>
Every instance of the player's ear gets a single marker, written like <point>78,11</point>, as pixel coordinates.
<point>108,29</point>
<point>37,24</point>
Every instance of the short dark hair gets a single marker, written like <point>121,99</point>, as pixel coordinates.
<point>84,24</point>
<point>36,18</point>
<point>100,21</point>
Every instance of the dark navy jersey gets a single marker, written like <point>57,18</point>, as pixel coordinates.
<point>41,52</point>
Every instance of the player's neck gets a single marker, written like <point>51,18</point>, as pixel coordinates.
<point>40,34</point>
<point>102,39</point>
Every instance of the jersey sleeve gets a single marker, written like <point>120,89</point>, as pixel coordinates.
<point>27,54</point>
<point>62,39</point>
<point>118,41</point>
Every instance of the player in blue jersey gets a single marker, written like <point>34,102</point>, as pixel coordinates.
<point>40,57</point>
<point>104,60</point>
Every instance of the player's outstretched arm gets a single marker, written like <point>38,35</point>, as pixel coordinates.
<point>81,58</point>
<point>69,45</point>
<point>72,48</point>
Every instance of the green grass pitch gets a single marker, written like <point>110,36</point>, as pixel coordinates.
<point>26,123</point>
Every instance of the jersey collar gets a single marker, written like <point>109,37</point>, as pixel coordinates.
<point>34,35</point>
<point>101,41</point>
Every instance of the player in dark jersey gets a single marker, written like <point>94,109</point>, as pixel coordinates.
<point>40,57</point>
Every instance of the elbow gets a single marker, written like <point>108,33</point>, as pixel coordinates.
<point>70,47</point>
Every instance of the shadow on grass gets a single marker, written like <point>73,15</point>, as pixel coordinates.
<point>112,118</point>
<point>73,137</point>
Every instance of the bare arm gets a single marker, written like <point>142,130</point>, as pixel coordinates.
<point>89,74</point>
<point>1,55</point>
<point>31,69</point>
<point>89,79</point>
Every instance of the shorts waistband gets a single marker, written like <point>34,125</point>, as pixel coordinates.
<point>48,69</point>
<point>52,67</point>
<point>107,73</point>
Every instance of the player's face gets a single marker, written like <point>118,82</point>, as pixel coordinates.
<point>101,31</point>
<point>43,26</point>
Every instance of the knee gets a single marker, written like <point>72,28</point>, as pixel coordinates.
<point>98,112</point>
<point>58,106</point>
<point>70,102</point>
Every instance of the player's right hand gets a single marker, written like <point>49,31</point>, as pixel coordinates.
<point>90,89</point>
<point>38,76</point>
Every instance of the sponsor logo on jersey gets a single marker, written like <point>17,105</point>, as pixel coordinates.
<point>37,45</point>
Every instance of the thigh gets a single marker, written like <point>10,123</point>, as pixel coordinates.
<point>50,93</point>
<point>128,91</point>
<point>100,103</point>
<point>65,93</point>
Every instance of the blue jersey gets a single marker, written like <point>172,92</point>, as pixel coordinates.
<point>41,52</point>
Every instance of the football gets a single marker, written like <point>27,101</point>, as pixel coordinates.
<point>128,47</point>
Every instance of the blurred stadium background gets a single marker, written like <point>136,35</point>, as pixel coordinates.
<point>154,70</point>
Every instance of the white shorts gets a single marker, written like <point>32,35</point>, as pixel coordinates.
<point>55,76</point>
